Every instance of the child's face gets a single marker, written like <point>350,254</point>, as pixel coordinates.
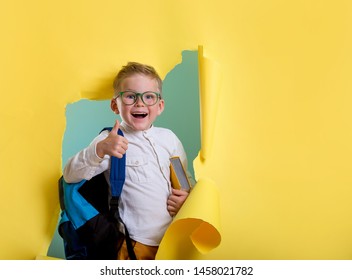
<point>138,116</point>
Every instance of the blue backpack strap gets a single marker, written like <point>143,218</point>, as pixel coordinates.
<point>117,172</point>
<point>117,180</point>
<point>77,208</point>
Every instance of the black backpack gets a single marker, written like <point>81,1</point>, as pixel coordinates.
<point>90,219</point>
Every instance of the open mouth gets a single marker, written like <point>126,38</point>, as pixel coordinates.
<point>139,115</point>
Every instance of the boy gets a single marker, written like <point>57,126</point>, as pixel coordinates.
<point>148,202</point>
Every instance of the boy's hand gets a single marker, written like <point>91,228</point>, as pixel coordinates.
<point>113,145</point>
<point>175,201</point>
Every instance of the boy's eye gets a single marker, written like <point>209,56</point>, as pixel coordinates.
<point>129,95</point>
<point>149,96</point>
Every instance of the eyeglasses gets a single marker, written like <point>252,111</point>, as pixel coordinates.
<point>149,98</point>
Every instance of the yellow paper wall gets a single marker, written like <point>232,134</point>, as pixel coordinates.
<point>281,148</point>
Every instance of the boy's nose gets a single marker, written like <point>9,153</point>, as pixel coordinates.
<point>139,101</point>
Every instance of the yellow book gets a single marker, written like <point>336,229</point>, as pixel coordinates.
<point>178,176</point>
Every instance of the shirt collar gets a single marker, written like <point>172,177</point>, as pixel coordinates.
<point>126,128</point>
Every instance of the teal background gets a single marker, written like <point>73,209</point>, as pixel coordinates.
<point>85,119</point>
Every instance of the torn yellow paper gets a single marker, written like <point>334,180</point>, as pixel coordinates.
<point>196,228</point>
<point>209,90</point>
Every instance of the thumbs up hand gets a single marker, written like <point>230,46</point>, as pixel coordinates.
<point>113,145</point>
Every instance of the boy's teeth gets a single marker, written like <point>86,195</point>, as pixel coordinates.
<point>139,115</point>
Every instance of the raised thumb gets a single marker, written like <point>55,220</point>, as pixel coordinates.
<point>116,127</point>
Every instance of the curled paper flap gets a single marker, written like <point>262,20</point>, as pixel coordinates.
<point>209,87</point>
<point>196,228</point>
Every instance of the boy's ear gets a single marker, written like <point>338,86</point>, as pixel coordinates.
<point>161,106</point>
<point>114,107</point>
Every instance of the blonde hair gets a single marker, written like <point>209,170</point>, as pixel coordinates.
<point>135,68</point>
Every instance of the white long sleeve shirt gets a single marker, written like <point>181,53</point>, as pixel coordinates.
<point>143,202</point>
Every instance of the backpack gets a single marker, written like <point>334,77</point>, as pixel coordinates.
<point>89,224</point>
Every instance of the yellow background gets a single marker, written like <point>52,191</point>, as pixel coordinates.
<point>281,152</point>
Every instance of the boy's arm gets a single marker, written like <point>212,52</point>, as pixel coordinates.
<point>86,163</point>
<point>94,159</point>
